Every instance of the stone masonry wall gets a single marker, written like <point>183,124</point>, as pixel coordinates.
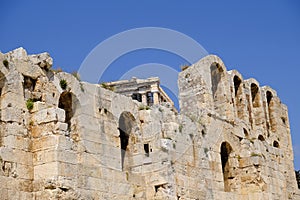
<point>65,139</point>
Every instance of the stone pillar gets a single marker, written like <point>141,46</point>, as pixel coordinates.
<point>155,92</point>
<point>155,98</point>
<point>144,98</point>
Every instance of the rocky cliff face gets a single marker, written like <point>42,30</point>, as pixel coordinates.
<point>65,139</point>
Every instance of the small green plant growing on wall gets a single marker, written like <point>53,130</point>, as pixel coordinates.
<point>206,151</point>
<point>63,84</point>
<point>81,87</point>
<point>143,107</point>
<point>180,128</point>
<point>29,104</point>
<point>127,176</point>
<point>255,154</point>
<point>31,123</point>
<point>108,87</point>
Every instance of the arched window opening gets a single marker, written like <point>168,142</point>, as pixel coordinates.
<point>238,94</point>
<point>29,83</point>
<point>65,102</point>
<point>255,95</point>
<point>126,123</point>
<point>216,76</point>
<point>269,97</point>
<point>226,169</point>
<point>275,144</point>
<point>283,120</point>
<point>218,88</point>
<point>270,105</point>
<point>245,133</point>
<point>147,149</point>
<point>237,82</point>
<point>261,138</point>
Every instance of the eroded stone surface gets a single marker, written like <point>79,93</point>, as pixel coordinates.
<point>231,139</point>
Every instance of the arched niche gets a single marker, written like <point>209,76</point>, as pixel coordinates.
<point>66,102</point>
<point>256,113</point>
<point>238,96</point>
<point>270,109</point>
<point>255,95</point>
<point>261,138</point>
<point>218,87</point>
<point>225,151</point>
<point>246,133</point>
<point>126,125</point>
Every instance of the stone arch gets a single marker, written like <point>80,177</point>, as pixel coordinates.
<point>246,133</point>
<point>255,96</point>
<point>225,151</point>
<point>238,96</point>
<point>126,125</point>
<point>66,102</point>
<point>218,87</point>
<point>256,115</point>
<point>270,110</point>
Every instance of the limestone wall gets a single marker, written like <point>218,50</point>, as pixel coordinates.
<point>250,119</point>
<point>77,140</point>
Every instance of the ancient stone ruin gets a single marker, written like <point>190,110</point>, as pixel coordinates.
<point>65,139</point>
<point>146,91</point>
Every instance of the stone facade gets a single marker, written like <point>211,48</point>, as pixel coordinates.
<point>66,139</point>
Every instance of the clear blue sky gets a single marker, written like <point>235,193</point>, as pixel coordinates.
<point>260,39</point>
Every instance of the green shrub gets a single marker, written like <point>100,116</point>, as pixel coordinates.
<point>143,107</point>
<point>174,145</point>
<point>31,123</point>
<point>180,128</point>
<point>206,151</point>
<point>63,84</point>
<point>255,154</point>
<point>29,104</point>
<point>108,87</point>
<point>81,87</point>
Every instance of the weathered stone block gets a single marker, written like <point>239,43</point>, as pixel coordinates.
<point>46,171</point>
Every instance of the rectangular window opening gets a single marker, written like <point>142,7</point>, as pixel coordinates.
<point>146,149</point>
